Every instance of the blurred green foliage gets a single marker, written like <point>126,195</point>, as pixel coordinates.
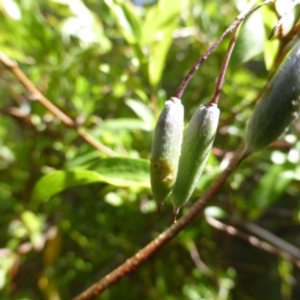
<point>70,214</point>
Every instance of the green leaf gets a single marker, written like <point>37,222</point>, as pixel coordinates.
<point>123,172</point>
<point>132,17</point>
<point>271,46</point>
<point>82,160</point>
<point>14,54</point>
<point>270,52</point>
<point>271,186</point>
<point>128,124</point>
<point>127,20</point>
<point>58,181</point>
<point>158,56</point>
<point>251,40</point>
<point>159,24</point>
<point>84,25</point>
<point>157,29</point>
<point>142,110</point>
<point>159,18</point>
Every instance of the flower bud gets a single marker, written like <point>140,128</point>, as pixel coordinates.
<point>196,146</point>
<point>166,148</point>
<point>277,106</point>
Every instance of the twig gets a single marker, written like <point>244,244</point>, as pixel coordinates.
<point>272,239</point>
<point>242,16</point>
<point>132,263</point>
<point>198,261</point>
<point>283,17</point>
<point>254,241</point>
<point>37,95</point>
<point>220,81</point>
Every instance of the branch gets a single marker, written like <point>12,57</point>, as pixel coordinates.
<point>242,16</point>
<point>135,261</point>
<point>37,95</point>
<point>280,249</point>
<point>283,17</point>
<point>195,255</point>
<point>272,239</point>
<point>220,81</point>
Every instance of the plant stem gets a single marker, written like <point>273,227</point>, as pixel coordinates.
<point>220,81</point>
<point>242,16</point>
<point>37,95</point>
<point>281,248</point>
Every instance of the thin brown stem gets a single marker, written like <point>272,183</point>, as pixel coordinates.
<point>37,95</point>
<point>253,240</point>
<point>235,23</point>
<point>220,81</point>
<point>136,260</point>
<point>271,238</point>
<point>283,18</point>
<point>195,255</point>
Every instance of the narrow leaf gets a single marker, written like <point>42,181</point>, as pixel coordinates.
<point>123,172</point>
<point>270,188</point>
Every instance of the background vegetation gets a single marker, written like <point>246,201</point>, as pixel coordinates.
<point>110,65</point>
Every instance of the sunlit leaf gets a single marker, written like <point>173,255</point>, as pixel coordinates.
<point>11,9</point>
<point>123,124</point>
<point>142,110</point>
<point>126,19</point>
<point>251,40</point>
<point>58,181</point>
<point>158,56</point>
<point>123,172</point>
<point>270,53</point>
<point>84,25</point>
<point>159,18</point>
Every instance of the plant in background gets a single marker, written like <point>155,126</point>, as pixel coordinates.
<point>75,144</point>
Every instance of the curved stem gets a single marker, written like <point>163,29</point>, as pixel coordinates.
<point>280,248</point>
<point>235,23</point>
<point>220,81</point>
<point>38,96</point>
